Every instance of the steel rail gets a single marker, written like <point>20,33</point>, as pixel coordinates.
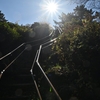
<point>37,61</point>
<point>23,45</point>
<point>10,63</point>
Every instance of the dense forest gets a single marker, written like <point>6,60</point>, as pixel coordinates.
<point>71,62</point>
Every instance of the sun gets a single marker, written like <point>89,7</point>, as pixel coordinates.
<point>51,7</point>
<point>50,10</point>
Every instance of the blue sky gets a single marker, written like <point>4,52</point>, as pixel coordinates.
<point>30,11</point>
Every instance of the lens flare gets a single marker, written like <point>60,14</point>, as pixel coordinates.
<point>51,7</point>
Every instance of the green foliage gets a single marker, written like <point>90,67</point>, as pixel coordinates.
<point>54,69</point>
<point>7,32</point>
<point>79,48</point>
<point>41,29</point>
<point>2,18</point>
<point>12,34</point>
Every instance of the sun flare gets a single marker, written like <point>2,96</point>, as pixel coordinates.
<point>50,10</point>
<point>51,7</point>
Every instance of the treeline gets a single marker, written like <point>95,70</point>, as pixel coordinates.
<point>13,34</point>
<point>78,53</point>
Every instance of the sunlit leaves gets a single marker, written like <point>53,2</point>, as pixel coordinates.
<point>79,46</point>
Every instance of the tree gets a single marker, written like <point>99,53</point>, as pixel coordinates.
<point>2,18</point>
<point>78,49</point>
<point>90,4</point>
<point>78,1</point>
<point>74,19</point>
<point>41,29</point>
